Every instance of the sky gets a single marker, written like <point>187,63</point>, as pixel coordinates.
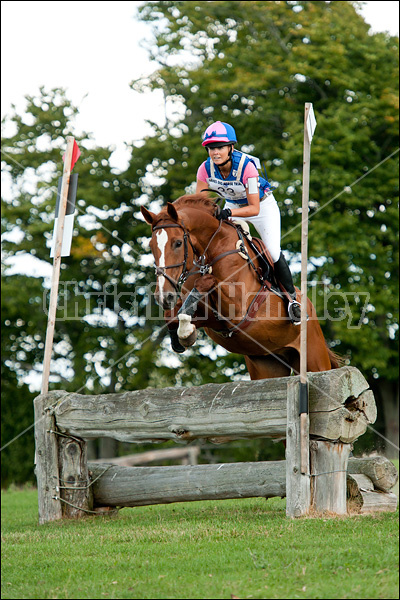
<point>94,51</point>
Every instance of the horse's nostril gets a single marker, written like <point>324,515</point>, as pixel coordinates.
<point>170,298</point>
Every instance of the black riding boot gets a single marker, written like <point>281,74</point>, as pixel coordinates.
<point>284,275</point>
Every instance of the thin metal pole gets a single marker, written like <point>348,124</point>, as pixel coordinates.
<point>56,266</point>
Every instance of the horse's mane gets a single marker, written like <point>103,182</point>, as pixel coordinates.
<point>200,201</point>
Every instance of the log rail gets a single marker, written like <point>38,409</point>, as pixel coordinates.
<point>341,408</point>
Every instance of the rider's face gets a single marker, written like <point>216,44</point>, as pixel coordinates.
<point>219,155</point>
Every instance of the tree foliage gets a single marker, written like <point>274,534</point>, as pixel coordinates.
<point>253,64</point>
<point>109,334</point>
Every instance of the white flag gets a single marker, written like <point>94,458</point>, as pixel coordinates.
<point>69,217</point>
<point>311,123</point>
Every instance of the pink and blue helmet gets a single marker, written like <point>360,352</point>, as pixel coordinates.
<point>219,134</point>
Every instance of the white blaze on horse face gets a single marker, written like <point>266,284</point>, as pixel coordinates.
<point>162,239</point>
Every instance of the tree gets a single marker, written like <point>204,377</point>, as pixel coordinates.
<point>109,334</point>
<point>254,65</point>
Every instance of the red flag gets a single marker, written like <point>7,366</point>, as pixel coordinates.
<point>75,155</point>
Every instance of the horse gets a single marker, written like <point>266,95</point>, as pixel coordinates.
<point>208,276</point>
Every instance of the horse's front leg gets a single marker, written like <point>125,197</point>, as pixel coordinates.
<point>171,320</point>
<point>187,331</point>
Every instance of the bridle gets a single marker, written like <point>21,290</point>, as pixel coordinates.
<point>161,271</point>
<point>200,264</point>
<point>201,267</point>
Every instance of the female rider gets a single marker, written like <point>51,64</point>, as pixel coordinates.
<point>248,196</point>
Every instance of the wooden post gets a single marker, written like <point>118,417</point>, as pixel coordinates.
<point>46,448</point>
<point>47,472</point>
<point>75,493</point>
<point>56,266</point>
<point>297,483</point>
<point>303,388</point>
<point>329,473</point>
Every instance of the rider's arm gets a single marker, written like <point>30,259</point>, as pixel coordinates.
<point>201,179</point>
<point>250,180</point>
<point>201,185</point>
<point>253,207</point>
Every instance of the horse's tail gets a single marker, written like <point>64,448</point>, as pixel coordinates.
<point>337,361</point>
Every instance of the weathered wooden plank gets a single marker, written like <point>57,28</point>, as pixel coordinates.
<point>245,409</point>
<point>340,409</point>
<point>135,486</point>
<point>379,469</point>
<point>298,498</point>
<point>138,486</point>
<point>46,453</point>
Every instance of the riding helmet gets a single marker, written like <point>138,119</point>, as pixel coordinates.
<point>219,134</point>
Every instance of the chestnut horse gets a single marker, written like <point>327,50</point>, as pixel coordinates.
<point>208,276</point>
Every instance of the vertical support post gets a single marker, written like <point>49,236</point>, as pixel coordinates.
<point>47,472</point>
<point>297,483</point>
<point>74,477</point>
<point>329,462</point>
<point>56,266</point>
<point>303,389</point>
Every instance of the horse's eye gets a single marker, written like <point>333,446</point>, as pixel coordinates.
<point>178,243</point>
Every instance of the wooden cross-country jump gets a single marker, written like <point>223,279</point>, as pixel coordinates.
<point>341,406</point>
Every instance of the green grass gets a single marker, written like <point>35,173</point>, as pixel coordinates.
<point>225,549</point>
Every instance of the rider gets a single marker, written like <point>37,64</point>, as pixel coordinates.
<point>247,196</point>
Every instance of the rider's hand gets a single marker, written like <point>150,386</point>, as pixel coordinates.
<point>224,214</point>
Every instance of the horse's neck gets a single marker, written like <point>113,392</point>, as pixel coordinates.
<point>201,231</point>
<point>211,241</point>
<point>228,268</point>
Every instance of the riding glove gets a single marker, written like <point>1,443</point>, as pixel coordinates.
<point>224,214</point>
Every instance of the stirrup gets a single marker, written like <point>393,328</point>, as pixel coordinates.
<point>294,312</point>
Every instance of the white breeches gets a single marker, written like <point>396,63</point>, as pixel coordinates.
<point>267,223</point>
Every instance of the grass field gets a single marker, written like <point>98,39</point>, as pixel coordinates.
<point>225,549</point>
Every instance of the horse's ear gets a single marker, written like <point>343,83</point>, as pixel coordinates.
<point>148,216</point>
<point>172,212</point>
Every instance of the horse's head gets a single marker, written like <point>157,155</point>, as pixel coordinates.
<point>177,238</point>
<point>171,250</point>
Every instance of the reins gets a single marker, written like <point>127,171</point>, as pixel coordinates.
<point>200,265</point>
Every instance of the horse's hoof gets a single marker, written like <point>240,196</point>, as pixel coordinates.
<point>190,340</point>
<point>175,345</point>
